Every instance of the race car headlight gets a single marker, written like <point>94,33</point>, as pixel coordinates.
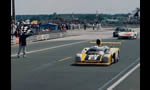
<point>105,59</point>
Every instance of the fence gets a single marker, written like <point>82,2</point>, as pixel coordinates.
<point>43,36</point>
<point>46,36</point>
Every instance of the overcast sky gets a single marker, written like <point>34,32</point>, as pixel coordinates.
<point>75,6</point>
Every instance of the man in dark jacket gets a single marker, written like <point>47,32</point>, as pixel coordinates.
<point>22,43</point>
<point>84,26</point>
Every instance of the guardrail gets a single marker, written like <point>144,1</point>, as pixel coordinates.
<point>46,36</point>
<point>42,36</point>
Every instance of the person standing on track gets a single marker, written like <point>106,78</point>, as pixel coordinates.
<point>13,29</point>
<point>93,26</point>
<point>85,26</point>
<point>22,42</point>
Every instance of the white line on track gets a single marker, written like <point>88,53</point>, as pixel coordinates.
<point>43,66</point>
<point>117,76</point>
<point>122,78</point>
<point>53,47</point>
<point>65,59</point>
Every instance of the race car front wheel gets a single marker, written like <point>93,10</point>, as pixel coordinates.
<point>117,56</point>
<point>135,36</point>
<point>112,59</point>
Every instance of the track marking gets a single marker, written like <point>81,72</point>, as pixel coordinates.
<point>43,66</point>
<point>64,59</point>
<point>122,78</point>
<point>52,47</point>
<point>123,71</point>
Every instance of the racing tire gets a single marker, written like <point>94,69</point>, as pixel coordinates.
<point>117,57</point>
<point>135,37</point>
<point>112,60</point>
<point>131,38</point>
<point>114,35</point>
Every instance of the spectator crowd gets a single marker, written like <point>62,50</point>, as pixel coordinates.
<point>17,29</point>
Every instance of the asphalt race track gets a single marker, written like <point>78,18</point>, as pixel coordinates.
<point>53,68</point>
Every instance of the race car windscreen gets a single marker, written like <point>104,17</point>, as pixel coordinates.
<point>93,51</point>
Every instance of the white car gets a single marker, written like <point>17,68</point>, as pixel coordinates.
<point>130,34</point>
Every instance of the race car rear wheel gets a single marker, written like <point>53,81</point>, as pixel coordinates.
<point>119,37</point>
<point>114,35</point>
<point>117,56</point>
<point>112,59</point>
<point>132,37</point>
<point>135,36</point>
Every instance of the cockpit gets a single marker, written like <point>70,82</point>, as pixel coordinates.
<point>98,50</point>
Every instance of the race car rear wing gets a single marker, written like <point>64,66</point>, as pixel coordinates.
<point>99,43</point>
<point>109,43</point>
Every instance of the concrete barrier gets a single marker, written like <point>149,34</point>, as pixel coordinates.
<point>40,37</point>
<point>34,38</point>
<point>47,36</point>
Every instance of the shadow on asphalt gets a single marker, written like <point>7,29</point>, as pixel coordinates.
<point>91,65</point>
<point>125,39</point>
<point>14,57</point>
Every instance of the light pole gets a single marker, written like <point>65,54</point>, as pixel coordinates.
<point>13,11</point>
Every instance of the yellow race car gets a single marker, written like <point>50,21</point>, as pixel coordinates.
<point>98,55</point>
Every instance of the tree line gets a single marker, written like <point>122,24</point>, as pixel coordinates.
<point>82,17</point>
